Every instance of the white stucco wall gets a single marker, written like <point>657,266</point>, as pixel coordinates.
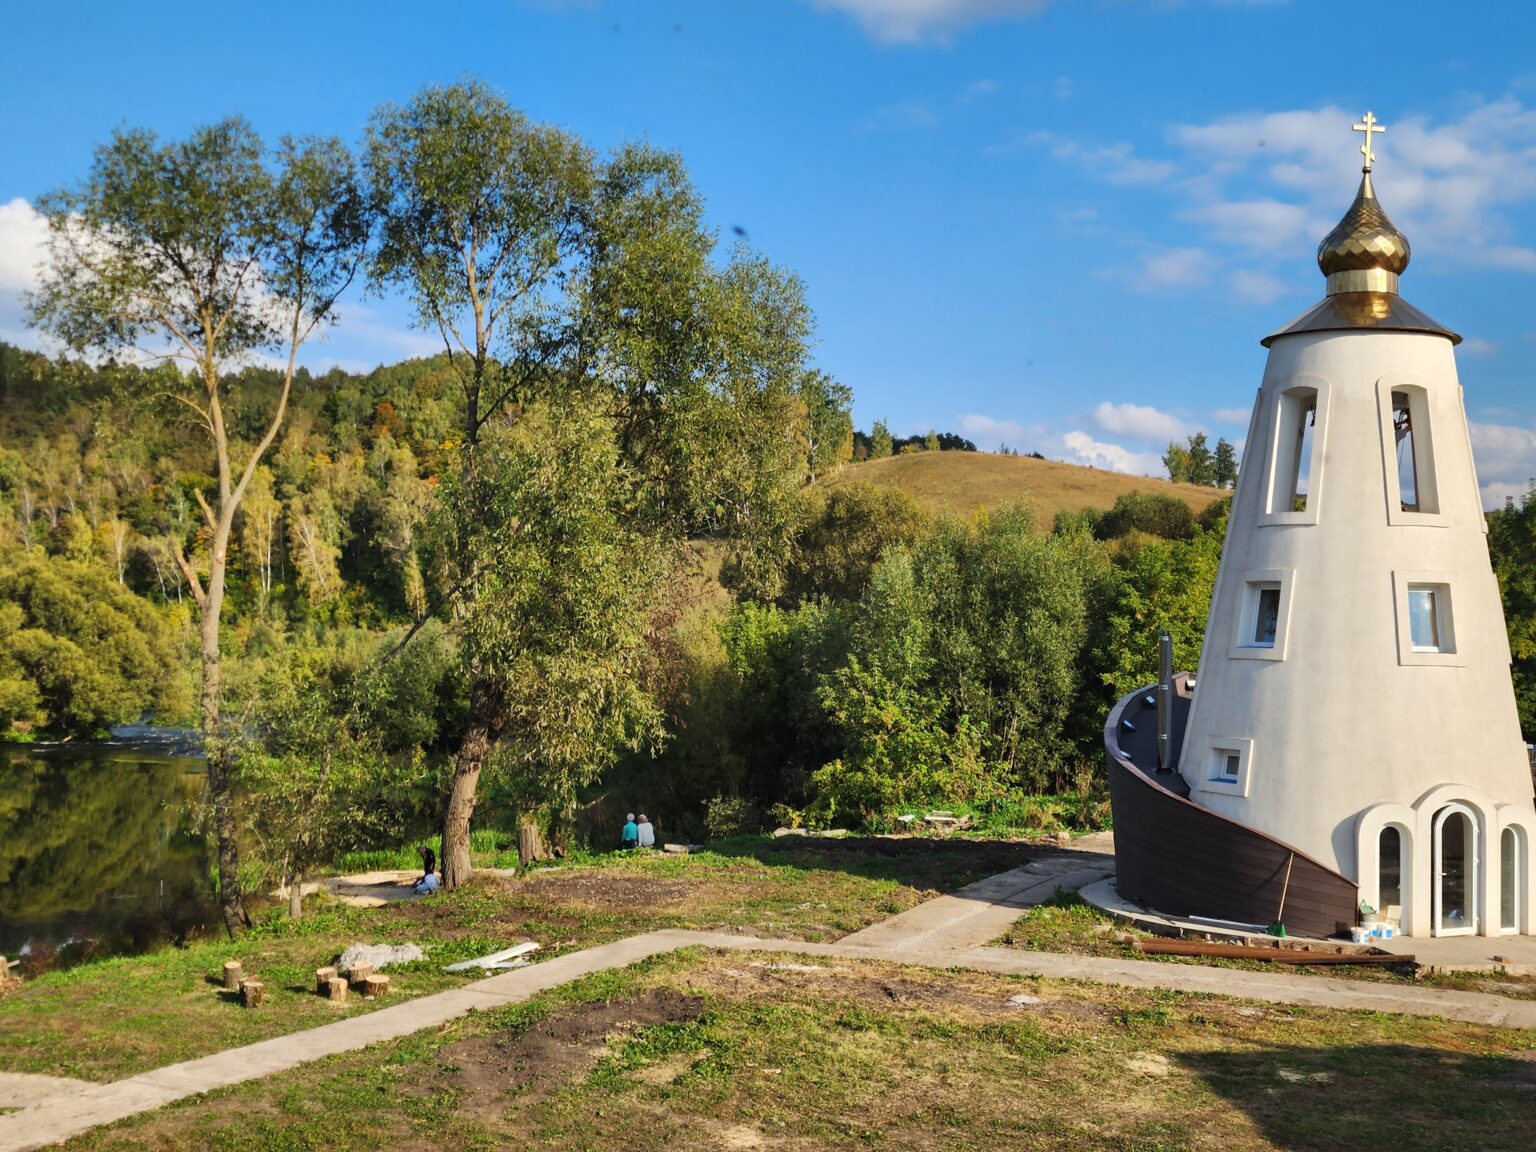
<point>1341,716</point>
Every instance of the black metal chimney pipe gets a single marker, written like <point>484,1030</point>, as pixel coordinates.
<point>1164,702</point>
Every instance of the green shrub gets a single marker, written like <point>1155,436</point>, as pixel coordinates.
<point>727,816</point>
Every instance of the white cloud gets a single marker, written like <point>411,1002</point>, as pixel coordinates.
<point>22,235</point>
<point>1259,287</point>
<point>1231,415</point>
<point>990,433</point>
<point>1116,163</point>
<point>1172,268</point>
<point>927,21</point>
<point>1447,184</point>
<point>1506,460</point>
<point>1084,449</point>
<point>1477,346</point>
<point>366,332</point>
<point>1138,420</point>
<point>1074,446</point>
<point>1267,225</point>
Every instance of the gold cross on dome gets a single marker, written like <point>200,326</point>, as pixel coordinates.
<point>1369,125</point>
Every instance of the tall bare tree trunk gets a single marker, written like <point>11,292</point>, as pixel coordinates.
<point>216,751</point>
<point>480,732</point>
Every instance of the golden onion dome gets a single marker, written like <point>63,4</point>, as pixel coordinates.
<point>1365,252</point>
<point>1362,259</point>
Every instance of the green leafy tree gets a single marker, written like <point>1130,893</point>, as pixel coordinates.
<point>828,422</point>
<point>556,628</point>
<point>550,274</point>
<point>1153,513</point>
<point>1165,585</point>
<point>343,751</point>
<point>202,252</point>
<point>79,652</point>
<point>1512,548</point>
<point>879,441</point>
<point>1176,460</point>
<point>1224,464</point>
<point>483,217</point>
<point>844,531</point>
<point>976,632</point>
<point>1202,462</point>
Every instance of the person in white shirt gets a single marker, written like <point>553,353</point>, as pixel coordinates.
<point>647,832</point>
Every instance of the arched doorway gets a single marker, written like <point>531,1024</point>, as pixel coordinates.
<point>1455,891</point>
<point>1389,872</point>
<point>1511,879</point>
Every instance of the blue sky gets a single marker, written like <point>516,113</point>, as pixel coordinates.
<point>1058,225</point>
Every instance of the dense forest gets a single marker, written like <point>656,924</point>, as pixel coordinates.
<point>875,658</point>
<point>577,563</point>
<point>893,659</point>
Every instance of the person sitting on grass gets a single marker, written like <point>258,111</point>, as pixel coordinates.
<point>645,833</point>
<point>631,834</point>
<point>428,881</point>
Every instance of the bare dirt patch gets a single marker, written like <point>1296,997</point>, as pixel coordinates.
<point>530,1064</point>
<point>878,986</point>
<point>664,1072</point>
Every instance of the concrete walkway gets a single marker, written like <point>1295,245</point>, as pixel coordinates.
<point>945,936</point>
<point>23,1089</point>
<point>983,911</point>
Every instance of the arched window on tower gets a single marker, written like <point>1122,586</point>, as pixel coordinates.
<point>1410,453</point>
<point>1295,435</point>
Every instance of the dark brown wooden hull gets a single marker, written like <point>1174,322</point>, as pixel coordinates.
<point>1185,860</point>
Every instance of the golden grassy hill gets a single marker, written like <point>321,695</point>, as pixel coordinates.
<point>963,482</point>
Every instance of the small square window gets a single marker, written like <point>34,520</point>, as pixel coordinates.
<point>1262,615</point>
<point>1424,618</point>
<point>1227,766</point>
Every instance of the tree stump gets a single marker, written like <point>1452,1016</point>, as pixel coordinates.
<point>374,985</point>
<point>232,973</point>
<point>250,993</point>
<point>323,978</point>
<point>359,973</point>
<point>530,840</point>
<point>335,990</point>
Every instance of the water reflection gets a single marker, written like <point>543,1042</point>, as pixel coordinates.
<point>100,849</point>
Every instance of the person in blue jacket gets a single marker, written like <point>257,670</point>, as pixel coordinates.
<point>631,834</point>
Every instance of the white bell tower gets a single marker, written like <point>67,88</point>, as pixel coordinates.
<point>1354,697</point>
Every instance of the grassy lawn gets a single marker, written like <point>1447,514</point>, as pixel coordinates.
<point>112,1018</point>
<point>699,1051</point>
<point>1070,924</point>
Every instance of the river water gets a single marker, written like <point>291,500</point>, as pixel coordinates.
<point>100,847</point>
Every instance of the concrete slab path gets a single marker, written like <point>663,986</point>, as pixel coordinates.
<point>23,1089</point>
<point>983,911</point>
<point>945,937</point>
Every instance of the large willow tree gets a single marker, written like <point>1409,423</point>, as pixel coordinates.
<point>574,289</point>
<point>204,252</point>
